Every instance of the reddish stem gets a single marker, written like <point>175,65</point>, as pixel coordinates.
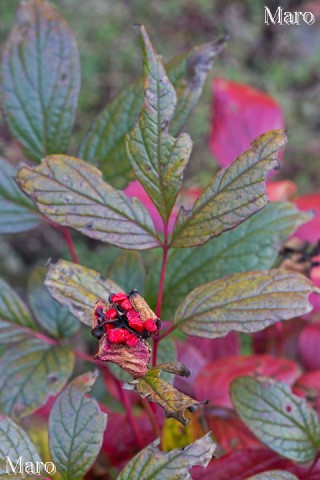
<point>167,332</point>
<point>130,416</point>
<point>152,417</point>
<point>72,250</point>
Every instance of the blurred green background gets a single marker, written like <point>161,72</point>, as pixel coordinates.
<point>284,61</point>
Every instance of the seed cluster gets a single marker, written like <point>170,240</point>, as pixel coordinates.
<point>121,322</point>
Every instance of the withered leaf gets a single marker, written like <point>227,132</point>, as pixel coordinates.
<point>174,403</point>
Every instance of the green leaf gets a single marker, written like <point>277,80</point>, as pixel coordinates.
<point>30,373</point>
<point>277,417</point>
<point>253,245</point>
<point>14,314</point>
<point>72,193</point>
<point>233,195</point>
<point>50,315</point>
<point>244,302</point>
<point>76,427</point>
<point>41,79</point>
<point>15,443</point>
<point>157,158</point>
<point>127,270</point>
<point>155,389</point>
<point>17,212</point>
<point>152,464</point>
<point>78,288</point>
<point>274,475</point>
<point>104,144</point>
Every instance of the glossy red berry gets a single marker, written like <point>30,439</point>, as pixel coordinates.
<point>108,326</point>
<point>118,297</point>
<point>135,322</point>
<point>150,325</point>
<point>132,340</point>
<point>111,313</point>
<point>126,305</point>
<point>118,335</point>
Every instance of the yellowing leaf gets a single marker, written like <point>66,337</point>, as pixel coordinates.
<point>78,288</point>
<point>72,193</point>
<point>174,402</point>
<point>157,158</point>
<point>176,435</point>
<point>244,302</point>
<point>234,194</point>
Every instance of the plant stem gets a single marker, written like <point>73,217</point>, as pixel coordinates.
<point>167,332</point>
<point>130,416</point>
<point>72,250</point>
<point>160,295</point>
<point>152,417</point>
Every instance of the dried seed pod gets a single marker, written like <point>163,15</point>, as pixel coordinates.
<point>134,359</point>
<point>141,306</point>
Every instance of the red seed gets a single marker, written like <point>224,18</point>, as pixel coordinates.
<point>126,305</point>
<point>136,323</point>
<point>118,297</point>
<point>150,325</point>
<point>111,313</point>
<point>133,314</point>
<point>108,326</point>
<point>118,335</point>
<point>132,340</point>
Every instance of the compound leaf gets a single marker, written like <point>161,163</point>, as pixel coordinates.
<point>152,464</point>
<point>244,302</point>
<point>31,372</point>
<point>41,79</point>
<point>157,158</point>
<point>278,418</point>
<point>76,428</point>
<point>234,194</point>
<point>72,193</point>
<point>78,288</point>
<point>17,212</point>
<point>253,245</point>
<point>174,402</point>
<point>50,315</point>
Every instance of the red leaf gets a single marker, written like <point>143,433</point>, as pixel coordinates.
<point>216,348</point>
<point>309,342</point>
<point>241,464</point>
<point>213,382</point>
<point>310,231</point>
<point>230,432</point>
<point>119,442</point>
<point>240,114</point>
<point>281,191</point>
<point>186,198</point>
<point>189,355</point>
